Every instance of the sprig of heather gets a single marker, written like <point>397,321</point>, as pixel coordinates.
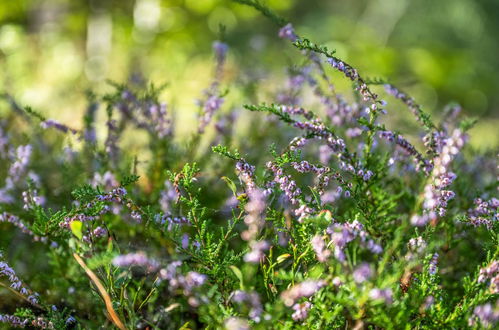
<point>304,289</point>
<point>213,98</point>
<point>342,234</point>
<point>51,123</point>
<point>436,196</point>
<point>14,321</point>
<point>17,222</point>
<point>422,163</point>
<point>313,127</point>
<point>484,212</point>
<point>487,315</point>
<point>137,259</point>
<point>490,274</point>
<point>16,284</point>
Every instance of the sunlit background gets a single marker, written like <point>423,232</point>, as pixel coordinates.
<point>442,51</point>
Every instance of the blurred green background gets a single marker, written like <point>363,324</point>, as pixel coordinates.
<point>442,51</point>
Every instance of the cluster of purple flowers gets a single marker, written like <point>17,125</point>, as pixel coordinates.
<point>422,163</point>
<point>484,212</point>
<point>301,311</point>
<point>320,172</point>
<point>491,272</point>
<point>297,143</point>
<point>341,112</point>
<point>256,253</point>
<point>21,162</point>
<point>66,223</point>
<point>210,106</point>
<point>31,198</point>
<point>433,265</point>
<point>159,120</point>
<point>342,234</point>
<point>382,294</point>
<point>16,221</point>
<point>320,248</point>
<point>186,283</point>
<point>115,195</point>
<point>106,180</point>
<point>297,79</point>
<point>286,183</point>
<point>168,197</point>
<point>137,259</point>
<point>246,173</point>
<point>252,300</point>
<point>57,125</point>
<point>112,138</point>
<point>42,323</point>
<point>487,315</point>
<point>288,32</point>
<point>362,273</point>
<point>436,196</point>
<point>347,70</point>
<point>417,246</point>
<point>16,284</point>
<point>20,158</point>
<point>304,289</point>
<point>14,321</point>
<point>171,220</point>
<point>255,217</point>
<point>213,100</point>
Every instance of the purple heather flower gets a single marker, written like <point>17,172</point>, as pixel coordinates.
<point>220,49</point>
<point>139,259</point>
<point>382,294</point>
<point>70,320</point>
<point>170,272</point>
<point>106,180</point>
<point>428,302</point>
<point>236,323</point>
<point>362,273</point>
<point>246,174</point>
<point>14,321</point>
<point>301,311</point>
<point>286,183</point>
<point>304,289</point>
<point>99,232</point>
<point>58,126</point>
<point>303,212</point>
<point>484,212</point>
<point>405,145</point>
<point>433,265</point>
<point>287,32</point>
<point>255,219</point>
<point>256,254</point>
<point>353,132</point>
<point>251,299</point>
<point>21,158</point>
<point>320,248</point>
<point>347,70</point>
<point>486,314</point>
<point>7,217</point>
<point>491,272</point>
<point>435,197</point>
<point>417,244</point>
<point>297,143</point>
<point>185,241</point>
<point>342,234</point>
<point>15,283</point>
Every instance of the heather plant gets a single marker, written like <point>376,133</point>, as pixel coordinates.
<point>319,215</point>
